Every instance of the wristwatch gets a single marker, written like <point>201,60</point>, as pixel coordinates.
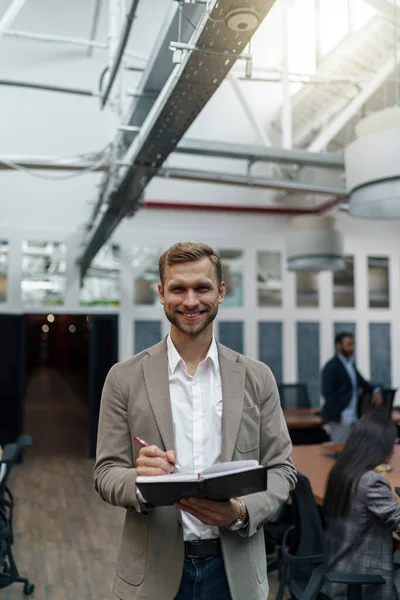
<point>241,521</point>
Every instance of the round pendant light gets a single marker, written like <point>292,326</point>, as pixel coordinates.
<point>314,245</point>
<point>373,167</point>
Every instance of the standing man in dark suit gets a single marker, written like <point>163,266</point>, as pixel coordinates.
<point>340,383</point>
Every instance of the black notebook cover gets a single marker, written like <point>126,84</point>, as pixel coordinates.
<point>219,488</point>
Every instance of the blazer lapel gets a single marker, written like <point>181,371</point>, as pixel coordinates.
<point>233,385</point>
<point>155,370</point>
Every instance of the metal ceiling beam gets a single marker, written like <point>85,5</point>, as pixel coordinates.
<point>252,153</point>
<point>251,182</point>
<point>234,208</point>
<point>386,8</point>
<point>120,51</point>
<point>94,25</point>
<point>10,14</point>
<point>38,163</point>
<point>344,116</point>
<point>48,88</point>
<point>61,39</point>
<point>188,89</point>
<point>160,65</point>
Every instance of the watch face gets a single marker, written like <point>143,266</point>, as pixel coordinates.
<point>239,523</point>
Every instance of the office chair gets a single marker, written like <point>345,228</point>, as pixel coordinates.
<point>8,569</point>
<point>274,532</point>
<point>294,395</point>
<point>365,402</point>
<point>305,568</point>
<point>6,498</point>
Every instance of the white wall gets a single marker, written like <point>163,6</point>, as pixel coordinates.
<point>251,233</point>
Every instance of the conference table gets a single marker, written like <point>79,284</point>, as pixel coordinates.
<point>312,462</point>
<point>310,418</point>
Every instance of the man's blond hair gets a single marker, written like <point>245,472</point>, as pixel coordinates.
<point>188,252</point>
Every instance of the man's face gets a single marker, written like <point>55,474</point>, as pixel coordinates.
<point>191,295</point>
<point>346,346</point>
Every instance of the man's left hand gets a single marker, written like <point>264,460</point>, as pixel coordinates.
<point>213,514</point>
<point>377,399</point>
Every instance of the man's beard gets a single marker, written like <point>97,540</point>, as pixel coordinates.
<point>192,328</point>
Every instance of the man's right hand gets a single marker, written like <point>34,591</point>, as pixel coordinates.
<point>152,462</point>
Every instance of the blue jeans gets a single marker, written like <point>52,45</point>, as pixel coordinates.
<point>204,579</point>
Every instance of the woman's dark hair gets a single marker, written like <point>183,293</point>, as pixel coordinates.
<point>369,444</point>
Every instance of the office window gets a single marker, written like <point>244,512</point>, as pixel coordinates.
<point>231,335</point>
<point>307,295</point>
<point>3,270</point>
<point>43,273</point>
<point>269,279</point>
<point>270,349</point>
<point>378,281</point>
<point>145,274</point>
<point>232,274</point>
<point>147,333</point>
<point>343,285</point>
<point>308,358</point>
<point>380,354</point>
<point>101,285</point>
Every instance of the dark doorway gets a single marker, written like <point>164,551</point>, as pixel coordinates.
<point>67,360</point>
<point>12,376</point>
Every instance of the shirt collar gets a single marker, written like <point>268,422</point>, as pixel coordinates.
<point>174,357</point>
<point>344,359</point>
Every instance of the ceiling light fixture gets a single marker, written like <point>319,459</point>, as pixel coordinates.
<point>242,19</point>
<point>314,245</point>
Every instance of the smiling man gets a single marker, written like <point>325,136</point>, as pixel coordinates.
<point>200,403</point>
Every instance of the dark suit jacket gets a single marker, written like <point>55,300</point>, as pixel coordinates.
<point>337,388</point>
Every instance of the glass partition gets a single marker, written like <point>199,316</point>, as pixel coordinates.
<point>378,281</point>
<point>232,274</point>
<point>101,285</point>
<point>43,273</point>
<point>343,285</point>
<point>307,295</point>
<point>145,274</point>
<point>269,279</point>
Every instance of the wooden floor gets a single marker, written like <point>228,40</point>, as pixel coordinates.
<point>65,536</point>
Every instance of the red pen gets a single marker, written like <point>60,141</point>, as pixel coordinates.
<point>145,445</point>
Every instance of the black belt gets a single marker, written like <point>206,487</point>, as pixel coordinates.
<point>203,548</point>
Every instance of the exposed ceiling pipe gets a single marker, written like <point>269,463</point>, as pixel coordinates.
<point>60,39</point>
<point>271,210</point>
<point>48,88</point>
<point>251,182</point>
<point>120,52</point>
<point>10,15</point>
<point>48,165</point>
<point>257,153</point>
<point>95,22</point>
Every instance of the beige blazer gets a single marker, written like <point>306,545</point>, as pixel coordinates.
<point>136,401</point>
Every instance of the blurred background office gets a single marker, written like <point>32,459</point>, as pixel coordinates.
<point>275,141</point>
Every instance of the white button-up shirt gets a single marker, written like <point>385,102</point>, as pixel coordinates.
<point>197,414</point>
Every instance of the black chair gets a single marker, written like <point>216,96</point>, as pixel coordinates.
<point>8,569</point>
<point>365,403</point>
<point>274,532</point>
<point>304,568</point>
<point>294,395</point>
<point>6,498</point>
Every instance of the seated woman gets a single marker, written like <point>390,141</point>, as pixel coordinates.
<point>361,510</point>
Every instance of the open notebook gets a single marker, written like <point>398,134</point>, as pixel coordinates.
<point>219,482</point>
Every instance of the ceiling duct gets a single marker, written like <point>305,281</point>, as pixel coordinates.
<point>372,166</point>
<point>314,245</point>
<point>214,49</point>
